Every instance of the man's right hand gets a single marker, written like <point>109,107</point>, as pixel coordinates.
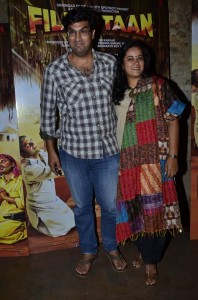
<point>53,159</point>
<point>54,163</point>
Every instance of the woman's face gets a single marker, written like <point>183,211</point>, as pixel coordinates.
<point>133,63</point>
<point>5,166</point>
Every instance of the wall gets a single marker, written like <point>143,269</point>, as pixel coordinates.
<point>180,64</point>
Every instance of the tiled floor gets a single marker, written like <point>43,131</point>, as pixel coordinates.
<point>50,276</point>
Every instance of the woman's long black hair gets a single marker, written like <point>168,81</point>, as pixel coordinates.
<point>120,83</point>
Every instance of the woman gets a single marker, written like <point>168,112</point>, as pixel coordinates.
<point>148,130</point>
<point>12,215</point>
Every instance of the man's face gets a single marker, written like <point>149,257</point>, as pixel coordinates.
<point>80,38</point>
<point>6,166</point>
<point>29,147</point>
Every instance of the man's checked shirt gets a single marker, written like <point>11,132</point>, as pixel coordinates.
<point>87,125</point>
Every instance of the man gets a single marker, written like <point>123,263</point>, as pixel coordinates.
<point>47,213</point>
<point>79,85</point>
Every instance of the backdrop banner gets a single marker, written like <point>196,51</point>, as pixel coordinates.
<point>37,39</point>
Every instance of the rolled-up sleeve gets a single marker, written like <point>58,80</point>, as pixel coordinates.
<point>173,107</point>
<point>48,117</point>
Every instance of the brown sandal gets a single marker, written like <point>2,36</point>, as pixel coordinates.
<point>113,258</point>
<point>83,262</point>
<point>151,275</point>
<point>137,262</point>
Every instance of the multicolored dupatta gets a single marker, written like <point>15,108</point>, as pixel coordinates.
<point>146,199</point>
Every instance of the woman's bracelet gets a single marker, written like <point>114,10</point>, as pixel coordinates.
<point>172,156</point>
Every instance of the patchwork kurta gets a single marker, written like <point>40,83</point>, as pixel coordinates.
<point>146,199</point>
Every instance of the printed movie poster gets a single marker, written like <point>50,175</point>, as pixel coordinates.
<point>37,38</point>
<point>13,229</point>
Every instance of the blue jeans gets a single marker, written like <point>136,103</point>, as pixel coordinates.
<point>88,178</point>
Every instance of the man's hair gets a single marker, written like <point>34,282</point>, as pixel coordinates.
<point>80,14</point>
<point>22,151</point>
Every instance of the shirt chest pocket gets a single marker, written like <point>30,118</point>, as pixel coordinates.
<point>106,83</point>
<point>71,93</point>
<point>73,99</point>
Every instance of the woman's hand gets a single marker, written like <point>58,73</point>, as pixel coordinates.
<point>5,196</point>
<point>171,167</point>
<point>1,199</point>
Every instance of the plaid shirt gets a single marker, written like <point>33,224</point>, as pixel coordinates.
<point>87,120</point>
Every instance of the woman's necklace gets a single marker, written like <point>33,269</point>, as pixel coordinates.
<point>131,95</point>
<point>132,86</point>
<point>131,91</point>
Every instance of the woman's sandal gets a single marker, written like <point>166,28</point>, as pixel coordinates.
<point>83,262</point>
<point>137,262</point>
<point>151,277</point>
<point>115,258</point>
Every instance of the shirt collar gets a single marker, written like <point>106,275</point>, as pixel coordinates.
<point>5,180</point>
<point>95,56</point>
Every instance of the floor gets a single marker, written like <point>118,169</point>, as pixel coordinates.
<point>50,276</point>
